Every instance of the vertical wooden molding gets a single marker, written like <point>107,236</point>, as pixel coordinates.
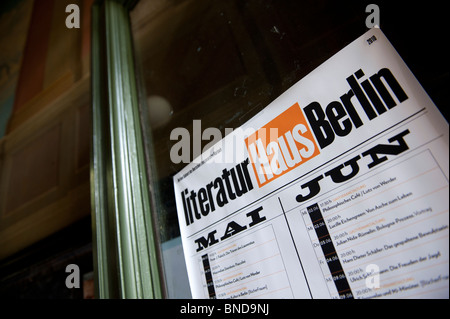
<point>124,234</point>
<point>32,71</point>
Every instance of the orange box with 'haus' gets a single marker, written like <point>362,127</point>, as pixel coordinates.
<point>281,145</point>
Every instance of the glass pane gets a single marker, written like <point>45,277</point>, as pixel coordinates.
<point>221,62</point>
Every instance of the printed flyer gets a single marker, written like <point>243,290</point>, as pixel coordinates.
<point>337,189</point>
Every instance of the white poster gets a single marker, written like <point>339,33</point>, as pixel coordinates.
<point>337,189</point>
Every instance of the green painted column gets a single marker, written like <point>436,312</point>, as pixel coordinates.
<point>125,251</point>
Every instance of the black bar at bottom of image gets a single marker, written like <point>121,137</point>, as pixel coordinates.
<point>331,257</point>
<point>208,277</point>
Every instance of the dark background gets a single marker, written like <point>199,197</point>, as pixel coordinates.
<point>418,31</point>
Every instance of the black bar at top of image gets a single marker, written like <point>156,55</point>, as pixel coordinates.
<point>208,277</point>
<point>331,257</point>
